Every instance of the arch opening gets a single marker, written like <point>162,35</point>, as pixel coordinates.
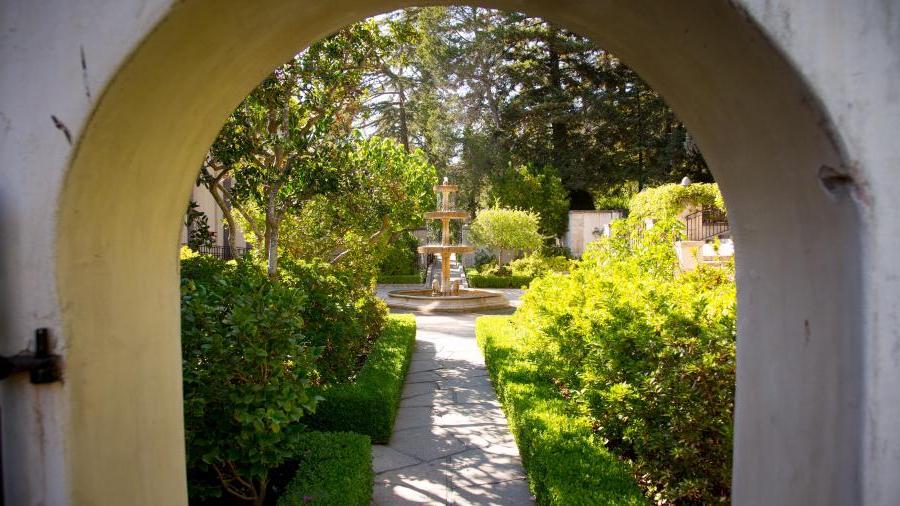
<point>757,124</point>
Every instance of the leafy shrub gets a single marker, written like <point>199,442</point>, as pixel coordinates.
<point>566,463</point>
<point>342,317</point>
<point>197,224</point>
<point>401,279</point>
<point>554,250</point>
<point>668,200</point>
<point>648,353</point>
<point>536,265</point>
<point>400,257</point>
<point>490,281</point>
<point>504,230</point>
<point>483,257</point>
<point>369,404</point>
<point>333,468</point>
<point>536,189</point>
<point>245,364</point>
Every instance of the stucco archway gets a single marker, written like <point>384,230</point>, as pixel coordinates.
<point>799,371</point>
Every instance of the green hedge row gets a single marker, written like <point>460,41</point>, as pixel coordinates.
<point>488,281</point>
<point>400,279</point>
<point>369,404</point>
<point>334,468</point>
<point>566,463</point>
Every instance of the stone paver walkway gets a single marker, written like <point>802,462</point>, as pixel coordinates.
<point>451,443</point>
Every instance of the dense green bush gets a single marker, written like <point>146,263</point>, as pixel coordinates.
<point>535,265</point>
<point>477,280</point>
<point>333,469</point>
<point>369,404</point>
<point>400,257</point>
<point>648,353</point>
<point>341,315</point>
<point>536,189</point>
<point>245,367</point>
<point>401,279</point>
<point>668,200</point>
<point>506,230</point>
<point>566,463</point>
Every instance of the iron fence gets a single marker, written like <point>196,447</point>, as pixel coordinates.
<point>706,224</point>
<point>223,252</point>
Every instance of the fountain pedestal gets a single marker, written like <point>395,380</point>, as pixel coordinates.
<point>445,298</point>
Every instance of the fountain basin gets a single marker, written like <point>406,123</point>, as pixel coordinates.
<point>438,248</point>
<point>450,215</point>
<point>468,300</point>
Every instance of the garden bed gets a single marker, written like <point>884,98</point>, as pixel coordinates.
<point>489,281</point>
<point>333,468</point>
<point>565,462</point>
<point>369,405</point>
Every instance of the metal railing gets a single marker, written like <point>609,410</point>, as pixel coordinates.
<point>706,224</point>
<point>223,252</point>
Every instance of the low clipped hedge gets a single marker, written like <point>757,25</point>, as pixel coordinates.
<point>400,279</point>
<point>488,281</point>
<point>566,463</point>
<point>334,468</point>
<point>369,404</point>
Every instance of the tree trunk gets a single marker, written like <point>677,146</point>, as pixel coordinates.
<point>260,499</point>
<point>559,130</point>
<point>272,220</point>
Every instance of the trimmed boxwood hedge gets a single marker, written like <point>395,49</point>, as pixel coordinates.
<point>488,281</point>
<point>334,468</point>
<point>566,463</point>
<point>400,279</point>
<point>369,404</point>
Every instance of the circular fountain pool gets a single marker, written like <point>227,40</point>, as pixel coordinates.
<point>468,300</point>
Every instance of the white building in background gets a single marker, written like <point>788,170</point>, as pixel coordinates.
<point>588,226</point>
<point>215,219</point>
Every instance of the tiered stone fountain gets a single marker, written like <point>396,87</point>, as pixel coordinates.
<point>444,296</point>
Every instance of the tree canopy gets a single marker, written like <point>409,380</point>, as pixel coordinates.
<point>506,230</point>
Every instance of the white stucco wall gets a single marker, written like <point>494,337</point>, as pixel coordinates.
<point>585,227</point>
<point>57,56</point>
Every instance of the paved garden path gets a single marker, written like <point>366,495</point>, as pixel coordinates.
<point>451,443</point>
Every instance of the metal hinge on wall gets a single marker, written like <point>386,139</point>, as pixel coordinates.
<point>43,366</point>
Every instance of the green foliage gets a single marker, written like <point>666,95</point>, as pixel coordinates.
<point>400,257</point>
<point>539,190</point>
<point>401,279</point>
<point>185,252</point>
<point>536,265</point>
<point>566,463</point>
<point>668,200</point>
<point>369,404</point>
<point>491,88</point>
<point>292,140</point>
<point>384,190</point>
<point>503,229</point>
<point>245,365</point>
<point>615,196</point>
<point>341,314</point>
<point>493,281</point>
<point>197,223</point>
<point>334,469</point>
<point>648,354</point>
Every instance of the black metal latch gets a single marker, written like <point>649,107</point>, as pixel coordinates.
<point>43,366</point>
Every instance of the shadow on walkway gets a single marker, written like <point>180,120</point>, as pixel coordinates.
<point>451,443</point>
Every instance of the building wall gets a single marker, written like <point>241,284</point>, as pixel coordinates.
<point>215,218</point>
<point>586,227</point>
<point>107,106</point>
